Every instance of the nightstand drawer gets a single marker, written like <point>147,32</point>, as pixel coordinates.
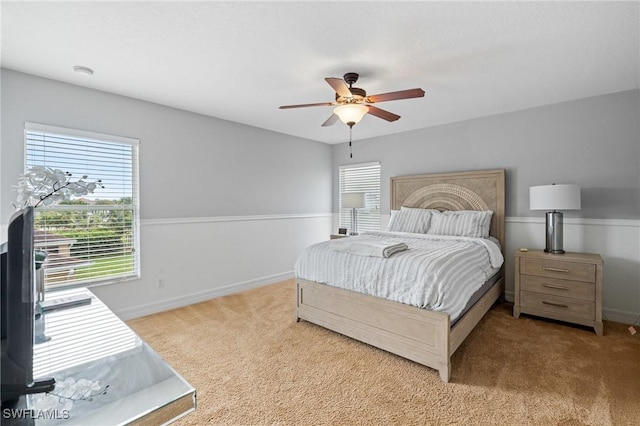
<point>561,306</point>
<point>565,288</point>
<point>559,269</point>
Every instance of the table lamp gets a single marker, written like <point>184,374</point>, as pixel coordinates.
<point>553,198</point>
<point>353,201</point>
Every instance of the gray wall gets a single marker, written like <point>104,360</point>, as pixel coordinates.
<point>592,142</point>
<point>194,166</point>
<point>191,165</point>
<point>224,206</point>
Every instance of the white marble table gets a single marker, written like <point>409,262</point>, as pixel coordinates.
<point>105,374</point>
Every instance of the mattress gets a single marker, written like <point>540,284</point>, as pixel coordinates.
<point>477,295</point>
<point>436,272</point>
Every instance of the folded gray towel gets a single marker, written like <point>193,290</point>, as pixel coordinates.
<point>367,248</point>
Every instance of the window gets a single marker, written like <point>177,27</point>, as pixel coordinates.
<point>361,178</point>
<point>94,238</point>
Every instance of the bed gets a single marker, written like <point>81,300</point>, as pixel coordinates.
<point>425,336</point>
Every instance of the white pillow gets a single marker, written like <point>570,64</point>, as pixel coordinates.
<point>410,220</point>
<point>461,223</point>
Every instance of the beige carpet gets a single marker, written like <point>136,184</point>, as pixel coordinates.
<point>252,364</point>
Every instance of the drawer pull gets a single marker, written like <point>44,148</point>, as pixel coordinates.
<point>559,305</point>
<point>556,287</point>
<point>547,268</point>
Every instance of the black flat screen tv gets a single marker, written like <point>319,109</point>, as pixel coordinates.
<point>18,307</point>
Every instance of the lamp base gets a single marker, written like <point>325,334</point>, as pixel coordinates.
<point>554,233</point>
<point>354,222</point>
<point>554,251</point>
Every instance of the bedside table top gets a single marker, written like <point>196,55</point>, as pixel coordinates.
<point>568,256</point>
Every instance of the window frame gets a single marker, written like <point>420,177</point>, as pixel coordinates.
<point>372,223</point>
<point>42,130</point>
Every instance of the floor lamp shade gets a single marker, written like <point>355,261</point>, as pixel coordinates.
<point>353,201</point>
<point>553,198</point>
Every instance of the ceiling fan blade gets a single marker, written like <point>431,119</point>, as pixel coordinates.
<point>392,96</point>
<point>307,105</point>
<point>340,86</point>
<point>330,121</point>
<point>380,113</point>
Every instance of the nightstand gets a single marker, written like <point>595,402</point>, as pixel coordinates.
<point>336,236</point>
<point>565,287</point>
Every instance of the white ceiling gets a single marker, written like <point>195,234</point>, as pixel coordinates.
<point>240,60</point>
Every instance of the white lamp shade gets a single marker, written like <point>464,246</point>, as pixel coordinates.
<point>351,113</point>
<point>353,200</point>
<point>554,197</point>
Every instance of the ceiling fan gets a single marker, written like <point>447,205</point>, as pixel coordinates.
<point>352,103</point>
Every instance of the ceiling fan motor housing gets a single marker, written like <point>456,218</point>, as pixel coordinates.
<point>357,96</point>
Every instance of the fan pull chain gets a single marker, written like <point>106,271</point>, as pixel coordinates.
<point>350,148</point>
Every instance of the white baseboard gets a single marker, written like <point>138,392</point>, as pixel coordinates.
<point>616,315</point>
<point>189,299</point>
<point>186,260</point>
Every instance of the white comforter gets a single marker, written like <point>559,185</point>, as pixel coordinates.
<point>437,272</point>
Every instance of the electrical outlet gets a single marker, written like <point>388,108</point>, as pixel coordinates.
<point>160,282</point>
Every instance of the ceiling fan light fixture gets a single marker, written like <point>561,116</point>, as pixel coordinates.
<point>351,114</point>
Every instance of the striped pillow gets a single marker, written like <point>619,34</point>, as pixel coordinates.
<point>462,223</point>
<point>410,220</point>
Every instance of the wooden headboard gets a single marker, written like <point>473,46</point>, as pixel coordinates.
<point>475,190</point>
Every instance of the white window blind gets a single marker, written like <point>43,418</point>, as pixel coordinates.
<point>94,238</point>
<point>361,178</point>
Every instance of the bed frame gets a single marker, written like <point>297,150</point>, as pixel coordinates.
<point>417,334</point>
